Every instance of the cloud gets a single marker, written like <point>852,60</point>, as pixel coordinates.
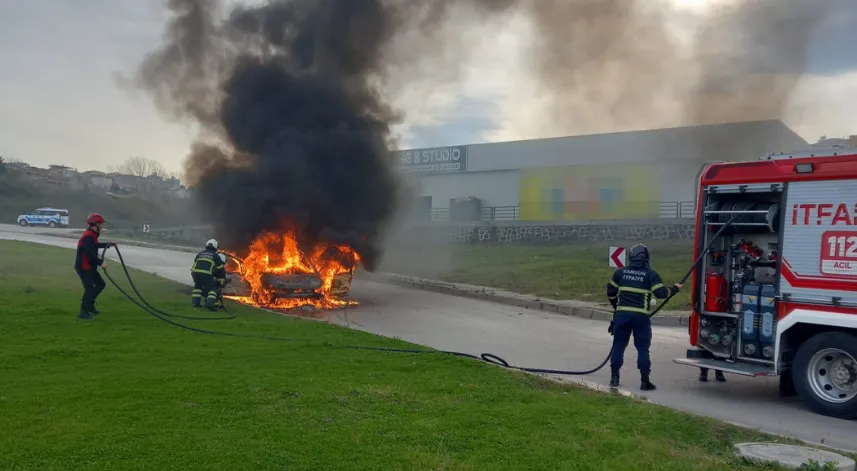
<point>469,121</point>
<point>61,103</point>
<point>824,105</point>
<point>831,51</point>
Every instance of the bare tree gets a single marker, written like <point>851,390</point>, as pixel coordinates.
<point>141,167</point>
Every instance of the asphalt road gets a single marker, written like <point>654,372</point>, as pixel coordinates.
<point>537,339</point>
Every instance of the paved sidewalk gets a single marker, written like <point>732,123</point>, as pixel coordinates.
<point>582,309</point>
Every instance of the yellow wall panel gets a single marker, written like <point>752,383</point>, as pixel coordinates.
<point>582,192</point>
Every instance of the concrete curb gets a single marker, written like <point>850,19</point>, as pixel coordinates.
<point>568,308</point>
<point>591,385</point>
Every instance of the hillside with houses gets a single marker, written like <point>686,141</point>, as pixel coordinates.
<point>139,193</point>
<point>117,183</point>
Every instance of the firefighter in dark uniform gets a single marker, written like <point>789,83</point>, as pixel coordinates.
<point>86,265</point>
<point>220,281</point>
<point>207,268</point>
<point>630,293</point>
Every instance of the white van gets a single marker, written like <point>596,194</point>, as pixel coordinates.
<point>50,217</point>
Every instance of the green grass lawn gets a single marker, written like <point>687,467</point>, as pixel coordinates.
<point>125,391</point>
<point>570,271</point>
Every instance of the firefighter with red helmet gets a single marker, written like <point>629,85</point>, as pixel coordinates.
<point>630,293</point>
<point>86,264</point>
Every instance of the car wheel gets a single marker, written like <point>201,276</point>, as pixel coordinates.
<point>23,222</point>
<point>825,374</point>
<point>52,224</point>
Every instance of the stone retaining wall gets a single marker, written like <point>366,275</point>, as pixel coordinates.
<point>519,233</point>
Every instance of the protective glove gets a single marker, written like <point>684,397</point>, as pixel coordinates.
<point>610,328</point>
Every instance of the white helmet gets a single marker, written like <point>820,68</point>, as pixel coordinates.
<point>222,257</point>
<point>211,243</point>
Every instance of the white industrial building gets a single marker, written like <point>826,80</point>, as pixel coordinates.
<point>638,174</point>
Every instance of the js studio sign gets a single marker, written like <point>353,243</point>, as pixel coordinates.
<point>433,160</point>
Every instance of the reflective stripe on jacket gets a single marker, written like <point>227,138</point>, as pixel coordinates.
<point>208,262</point>
<point>631,288</point>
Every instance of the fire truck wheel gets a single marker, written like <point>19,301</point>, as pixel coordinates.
<point>825,374</point>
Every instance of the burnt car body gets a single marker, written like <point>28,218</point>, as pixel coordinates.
<point>286,286</point>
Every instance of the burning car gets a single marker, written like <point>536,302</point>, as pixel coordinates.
<point>277,274</point>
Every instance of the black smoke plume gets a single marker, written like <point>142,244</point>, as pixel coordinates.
<point>295,129</point>
<point>294,132</point>
<point>292,96</point>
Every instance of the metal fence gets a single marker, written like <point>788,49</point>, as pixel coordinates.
<point>666,210</point>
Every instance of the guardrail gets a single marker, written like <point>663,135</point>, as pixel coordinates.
<point>666,210</point>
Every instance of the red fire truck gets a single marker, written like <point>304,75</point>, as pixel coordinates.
<point>776,293</point>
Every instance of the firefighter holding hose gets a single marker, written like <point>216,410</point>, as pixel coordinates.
<point>630,293</point>
<point>220,281</point>
<point>86,264</point>
<point>207,271</point>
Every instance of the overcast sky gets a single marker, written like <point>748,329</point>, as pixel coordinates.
<point>59,102</point>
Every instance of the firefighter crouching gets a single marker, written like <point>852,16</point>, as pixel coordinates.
<point>208,267</point>
<point>630,293</point>
<point>220,280</point>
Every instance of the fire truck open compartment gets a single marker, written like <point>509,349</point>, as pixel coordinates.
<point>775,294</point>
<point>737,278</point>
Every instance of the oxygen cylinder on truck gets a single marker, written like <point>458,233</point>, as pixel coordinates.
<point>750,323</point>
<point>767,327</point>
<point>715,292</point>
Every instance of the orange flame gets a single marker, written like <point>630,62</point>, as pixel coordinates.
<point>274,254</point>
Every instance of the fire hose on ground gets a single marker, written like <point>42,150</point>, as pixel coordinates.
<point>486,357</point>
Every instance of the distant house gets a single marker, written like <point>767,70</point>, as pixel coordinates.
<point>38,176</point>
<point>95,179</point>
<point>61,171</point>
<point>181,192</point>
<point>130,182</point>
<point>825,142</point>
<point>114,183</point>
<point>18,166</point>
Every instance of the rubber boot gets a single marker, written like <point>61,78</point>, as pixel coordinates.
<point>614,378</point>
<point>84,315</point>
<point>646,385</point>
<point>718,375</point>
<point>703,375</point>
<point>209,304</point>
